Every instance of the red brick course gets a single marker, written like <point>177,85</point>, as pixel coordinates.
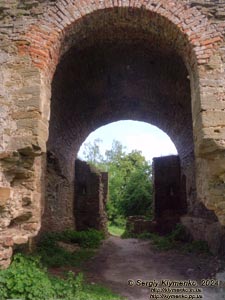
<point>46,36</point>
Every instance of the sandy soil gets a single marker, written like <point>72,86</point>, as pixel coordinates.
<point>119,260</point>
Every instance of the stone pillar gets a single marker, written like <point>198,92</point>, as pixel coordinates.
<point>169,198</point>
<point>58,203</point>
<point>91,189</point>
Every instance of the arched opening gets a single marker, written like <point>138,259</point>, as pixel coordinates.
<point>119,71</point>
<point>133,135</point>
<point>122,153</point>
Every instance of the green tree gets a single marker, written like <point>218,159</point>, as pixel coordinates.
<point>115,153</point>
<point>130,186</point>
<point>92,153</point>
<point>130,179</point>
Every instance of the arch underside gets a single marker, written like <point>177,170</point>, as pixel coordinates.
<point>118,72</point>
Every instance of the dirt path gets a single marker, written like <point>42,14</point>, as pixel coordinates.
<point>119,260</point>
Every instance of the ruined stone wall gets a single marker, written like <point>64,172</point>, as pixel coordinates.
<point>58,210</point>
<point>34,37</point>
<point>167,186</point>
<point>170,201</point>
<point>91,192</point>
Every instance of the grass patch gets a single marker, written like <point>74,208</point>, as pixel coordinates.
<point>196,247</point>
<point>27,279</point>
<point>52,255</point>
<point>177,239</point>
<point>116,230</point>
<point>98,292</point>
<point>87,239</point>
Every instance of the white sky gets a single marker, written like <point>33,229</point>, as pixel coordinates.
<point>134,135</point>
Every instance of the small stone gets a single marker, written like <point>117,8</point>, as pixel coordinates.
<point>18,240</point>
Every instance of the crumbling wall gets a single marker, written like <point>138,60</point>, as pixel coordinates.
<point>91,191</point>
<point>57,208</point>
<point>169,200</point>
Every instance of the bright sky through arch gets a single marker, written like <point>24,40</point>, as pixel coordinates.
<point>142,136</point>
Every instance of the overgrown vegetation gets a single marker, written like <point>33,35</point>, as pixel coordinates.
<point>52,255</point>
<point>130,181</point>
<point>177,239</point>
<point>27,279</point>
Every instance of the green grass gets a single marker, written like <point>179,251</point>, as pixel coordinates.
<point>98,292</point>
<point>177,239</point>
<point>116,230</point>
<point>52,255</point>
<point>27,279</point>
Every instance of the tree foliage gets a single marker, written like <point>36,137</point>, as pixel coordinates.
<point>92,152</point>
<point>130,179</point>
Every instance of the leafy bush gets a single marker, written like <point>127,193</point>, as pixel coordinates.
<point>26,279</point>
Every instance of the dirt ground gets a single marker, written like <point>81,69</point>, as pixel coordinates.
<point>119,260</point>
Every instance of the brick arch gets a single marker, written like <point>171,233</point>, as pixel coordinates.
<point>46,38</point>
<point>194,38</point>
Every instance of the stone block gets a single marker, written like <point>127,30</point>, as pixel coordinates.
<point>18,240</point>
<point>4,195</point>
<point>213,118</point>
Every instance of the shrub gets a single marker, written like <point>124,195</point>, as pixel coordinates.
<point>88,239</point>
<point>26,279</point>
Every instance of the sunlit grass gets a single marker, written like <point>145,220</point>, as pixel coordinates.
<point>115,230</point>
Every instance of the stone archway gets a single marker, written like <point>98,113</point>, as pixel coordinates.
<point>163,31</point>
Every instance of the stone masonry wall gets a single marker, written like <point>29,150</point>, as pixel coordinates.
<point>170,201</point>
<point>58,210</point>
<point>35,38</point>
<point>91,192</point>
